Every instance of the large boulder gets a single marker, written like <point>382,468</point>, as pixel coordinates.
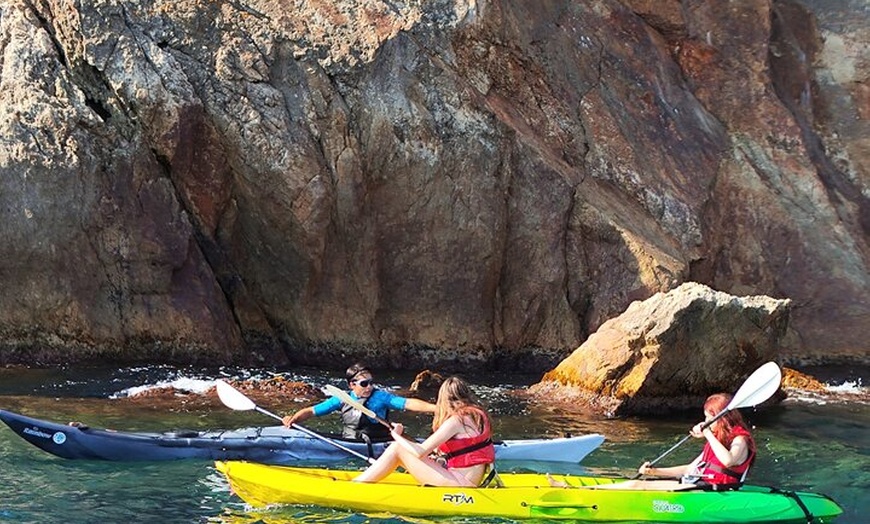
<point>672,350</point>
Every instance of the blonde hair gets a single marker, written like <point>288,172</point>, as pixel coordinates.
<point>455,397</point>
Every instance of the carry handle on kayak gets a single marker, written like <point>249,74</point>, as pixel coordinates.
<point>760,386</point>
<point>235,399</point>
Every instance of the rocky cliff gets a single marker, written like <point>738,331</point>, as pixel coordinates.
<point>444,181</point>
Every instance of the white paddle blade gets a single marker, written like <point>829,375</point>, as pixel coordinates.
<point>233,398</point>
<point>333,391</point>
<point>760,386</point>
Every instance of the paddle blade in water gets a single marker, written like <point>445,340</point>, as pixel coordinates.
<point>233,398</point>
<point>760,386</point>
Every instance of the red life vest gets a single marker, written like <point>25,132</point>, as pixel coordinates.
<point>465,452</point>
<point>712,469</point>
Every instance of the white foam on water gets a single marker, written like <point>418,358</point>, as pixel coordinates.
<point>848,391</point>
<point>183,384</point>
<point>200,385</point>
<point>807,397</point>
<point>847,387</point>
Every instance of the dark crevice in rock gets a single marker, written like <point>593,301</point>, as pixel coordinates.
<point>571,296</point>
<point>49,30</point>
<point>88,72</point>
<point>98,108</point>
<point>209,248</point>
<point>258,342</point>
<point>499,306</point>
<point>97,90</point>
<point>92,81</point>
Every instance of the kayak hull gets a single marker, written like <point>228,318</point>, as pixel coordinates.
<point>524,495</point>
<point>270,445</point>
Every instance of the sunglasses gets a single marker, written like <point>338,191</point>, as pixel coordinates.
<point>363,383</point>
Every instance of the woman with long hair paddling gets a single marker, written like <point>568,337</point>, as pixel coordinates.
<point>461,430</point>
<point>728,452</point>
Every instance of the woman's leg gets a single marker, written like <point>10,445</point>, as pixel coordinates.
<point>428,472</point>
<point>383,466</point>
<point>424,470</point>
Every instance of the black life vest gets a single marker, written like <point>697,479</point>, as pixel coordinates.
<point>360,427</point>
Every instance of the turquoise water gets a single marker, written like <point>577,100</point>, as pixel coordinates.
<point>803,445</point>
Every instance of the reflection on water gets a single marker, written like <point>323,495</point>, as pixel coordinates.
<point>817,447</point>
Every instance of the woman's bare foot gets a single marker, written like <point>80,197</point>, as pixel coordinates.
<point>556,483</point>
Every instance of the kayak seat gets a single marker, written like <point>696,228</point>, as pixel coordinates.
<point>491,480</point>
<point>370,450</point>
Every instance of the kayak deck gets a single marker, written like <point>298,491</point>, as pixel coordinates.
<point>524,495</point>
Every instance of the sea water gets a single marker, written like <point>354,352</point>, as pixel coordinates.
<point>814,443</point>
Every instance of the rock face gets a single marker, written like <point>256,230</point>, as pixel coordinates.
<point>423,183</point>
<point>673,350</point>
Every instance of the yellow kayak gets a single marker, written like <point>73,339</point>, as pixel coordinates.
<point>524,495</point>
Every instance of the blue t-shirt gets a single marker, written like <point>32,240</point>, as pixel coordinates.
<point>379,402</point>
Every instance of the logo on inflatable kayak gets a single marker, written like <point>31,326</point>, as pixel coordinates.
<point>36,432</point>
<point>457,498</point>
<point>59,438</point>
<point>664,506</point>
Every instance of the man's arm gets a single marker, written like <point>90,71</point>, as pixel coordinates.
<point>299,416</point>
<point>415,404</point>
<point>326,406</point>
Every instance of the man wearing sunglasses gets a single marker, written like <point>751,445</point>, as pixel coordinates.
<point>356,425</point>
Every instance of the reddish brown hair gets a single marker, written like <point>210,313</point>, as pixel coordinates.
<point>724,427</point>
